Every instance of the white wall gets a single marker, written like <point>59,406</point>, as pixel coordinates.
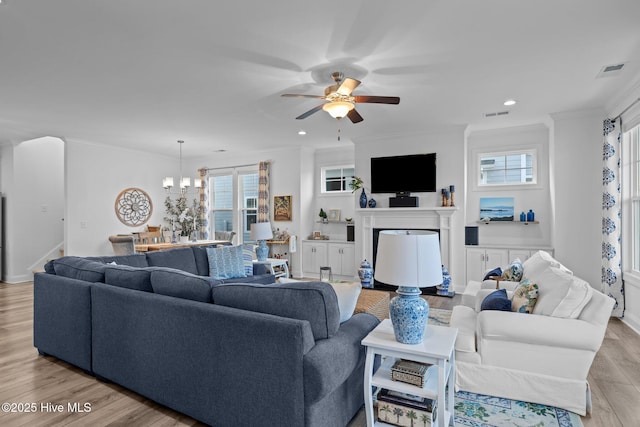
<point>95,175</point>
<point>577,157</point>
<point>535,197</point>
<point>449,147</point>
<point>34,205</point>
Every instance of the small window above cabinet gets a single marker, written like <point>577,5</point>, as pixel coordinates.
<point>336,179</point>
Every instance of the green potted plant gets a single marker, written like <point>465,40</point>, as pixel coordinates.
<point>356,184</point>
<point>323,215</point>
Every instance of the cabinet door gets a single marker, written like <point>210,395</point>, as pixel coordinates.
<point>496,258</point>
<point>521,254</point>
<point>334,253</point>
<point>342,259</point>
<point>475,264</point>
<point>314,256</point>
<point>348,260</point>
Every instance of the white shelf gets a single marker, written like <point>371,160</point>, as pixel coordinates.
<point>508,222</point>
<point>382,378</point>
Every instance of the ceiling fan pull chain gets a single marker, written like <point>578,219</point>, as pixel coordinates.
<point>338,133</point>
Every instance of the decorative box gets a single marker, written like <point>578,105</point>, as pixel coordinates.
<point>405,410</point>
<point>409,372</point>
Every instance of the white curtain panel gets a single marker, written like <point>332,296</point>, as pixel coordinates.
<point>204,202</point>
<point>612,284</point>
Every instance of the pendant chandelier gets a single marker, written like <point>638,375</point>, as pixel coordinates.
<point>184,181</point>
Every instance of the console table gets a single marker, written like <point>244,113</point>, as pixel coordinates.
<point>146,247</point>
<point>279,267</point>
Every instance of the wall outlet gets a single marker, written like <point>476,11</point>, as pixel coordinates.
<point>84,224</point>
<point>44,208</point>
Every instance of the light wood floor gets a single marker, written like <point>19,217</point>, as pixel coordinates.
<point>26,377</point>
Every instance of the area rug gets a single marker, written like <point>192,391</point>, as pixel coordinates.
<point>479,410</point>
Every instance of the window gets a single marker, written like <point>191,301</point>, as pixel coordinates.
<point>507,168</point>
<point>633,139</point>
<point>234,204</point>
<point>336,179</point>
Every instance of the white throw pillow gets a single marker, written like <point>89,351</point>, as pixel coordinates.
<point>538,263</point>
<point>348,294</point>
<point>561,294</point>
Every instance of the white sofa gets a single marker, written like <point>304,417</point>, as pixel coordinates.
<point>543,357</point>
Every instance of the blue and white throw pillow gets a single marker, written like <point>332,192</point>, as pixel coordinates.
<point>226,262</point>
<point>514,271</point>
<point>248,255</point>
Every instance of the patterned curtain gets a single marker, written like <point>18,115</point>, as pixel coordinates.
<point>612,283</point>
<point>263,192</point>
<point>204,203</point>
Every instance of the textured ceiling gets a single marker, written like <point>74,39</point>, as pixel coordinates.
<point>146,73</point>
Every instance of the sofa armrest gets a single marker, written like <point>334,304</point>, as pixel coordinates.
<point>501,284</point>
<point>539,330</point>
<point>332,361</point>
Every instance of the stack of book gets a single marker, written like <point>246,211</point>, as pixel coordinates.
<point>405,410</point>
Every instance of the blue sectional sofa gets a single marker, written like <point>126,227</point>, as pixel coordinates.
<point>226,353</point>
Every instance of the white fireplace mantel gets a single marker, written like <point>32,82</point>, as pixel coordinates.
<point>438,218</point>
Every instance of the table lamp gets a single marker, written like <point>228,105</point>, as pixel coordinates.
<point>260,232</point>
<point>409,259</point>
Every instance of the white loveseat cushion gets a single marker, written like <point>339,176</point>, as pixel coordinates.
<point>561,294</point>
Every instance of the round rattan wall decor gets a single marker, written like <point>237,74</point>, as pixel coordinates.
<point>133,207</point>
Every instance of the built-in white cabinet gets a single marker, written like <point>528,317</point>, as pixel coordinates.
<point>342,259</point>
<point>480,260</point>
<point>340,256</point>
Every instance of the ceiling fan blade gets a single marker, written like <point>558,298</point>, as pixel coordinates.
<point>354,116</point>
<point>310,112</point>
<point>378,99</point>
<point>347,86</point>
<point>298,95</point>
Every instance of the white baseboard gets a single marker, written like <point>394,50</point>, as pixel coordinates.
<point>18,279</point>
<point>632,321</point>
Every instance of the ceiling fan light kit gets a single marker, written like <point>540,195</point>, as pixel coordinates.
<point>340,102</point>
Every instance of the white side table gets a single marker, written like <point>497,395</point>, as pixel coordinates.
<point>437,348</point>
<point>277,266</point>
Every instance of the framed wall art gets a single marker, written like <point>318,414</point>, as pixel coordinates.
<point>282,208</point>
<point>133,207</point>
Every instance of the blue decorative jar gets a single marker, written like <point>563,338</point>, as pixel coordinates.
<point>372,203</point>
<point>365,272</point>
<point>363,199</point>
<point>446,281</point>
<point>531,216</point>
<point>408,313</point>
<point>523,217</point>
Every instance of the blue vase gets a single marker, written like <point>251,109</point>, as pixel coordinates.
<point>531,216</point>
<point>363,199</point>
<point>446,281</point>
<point>409,313</point>
<point>372,203</point>
<point>365,272</point>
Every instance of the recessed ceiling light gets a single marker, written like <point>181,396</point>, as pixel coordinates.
<point>509,102</point>
<point>302,132</point>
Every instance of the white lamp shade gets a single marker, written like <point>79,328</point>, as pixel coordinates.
<point>167,182</point>
<point>197,182</point>
<point>409,258</point>
<point>261,231</point>
<point>185,182</point>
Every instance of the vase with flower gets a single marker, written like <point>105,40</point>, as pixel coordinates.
<point>356,184</point>
<point>184,219</point>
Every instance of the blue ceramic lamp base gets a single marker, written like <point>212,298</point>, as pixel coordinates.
<point>262,250</point>
<point>409,313</point>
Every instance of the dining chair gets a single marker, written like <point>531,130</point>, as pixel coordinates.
<point>122,244</point>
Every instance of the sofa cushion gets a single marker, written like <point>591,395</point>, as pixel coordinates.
<point>539,262</point>
<point>561,294</point>
<point>128,277</point>
<point>202,259</point>
<point>79,268</point>
<point>263,279</point>
<point>497,300</point>
<point>226,262</point>
<point>181,284</point>
<point>315,302</point>
<point>248,253</point>
<point>179,258</point>
<point>133,260</point>
<point>524,297</point>
<point>514,271</point>
<point>347,294</point>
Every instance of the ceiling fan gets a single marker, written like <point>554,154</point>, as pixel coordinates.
<point>340,102</point>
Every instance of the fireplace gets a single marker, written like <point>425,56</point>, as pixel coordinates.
<point>374,220</point>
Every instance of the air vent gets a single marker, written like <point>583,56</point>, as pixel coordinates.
<point>610,70</point>
<point>498,113</point>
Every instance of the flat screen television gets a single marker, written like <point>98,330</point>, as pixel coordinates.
<point>414,173</point>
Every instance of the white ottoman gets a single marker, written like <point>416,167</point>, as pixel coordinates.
<point>470,292</point>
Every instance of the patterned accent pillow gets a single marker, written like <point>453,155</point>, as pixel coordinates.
<point>248,255</point>
<point>514,271</point>
<point>524,297</point>
<point>226,262</point>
